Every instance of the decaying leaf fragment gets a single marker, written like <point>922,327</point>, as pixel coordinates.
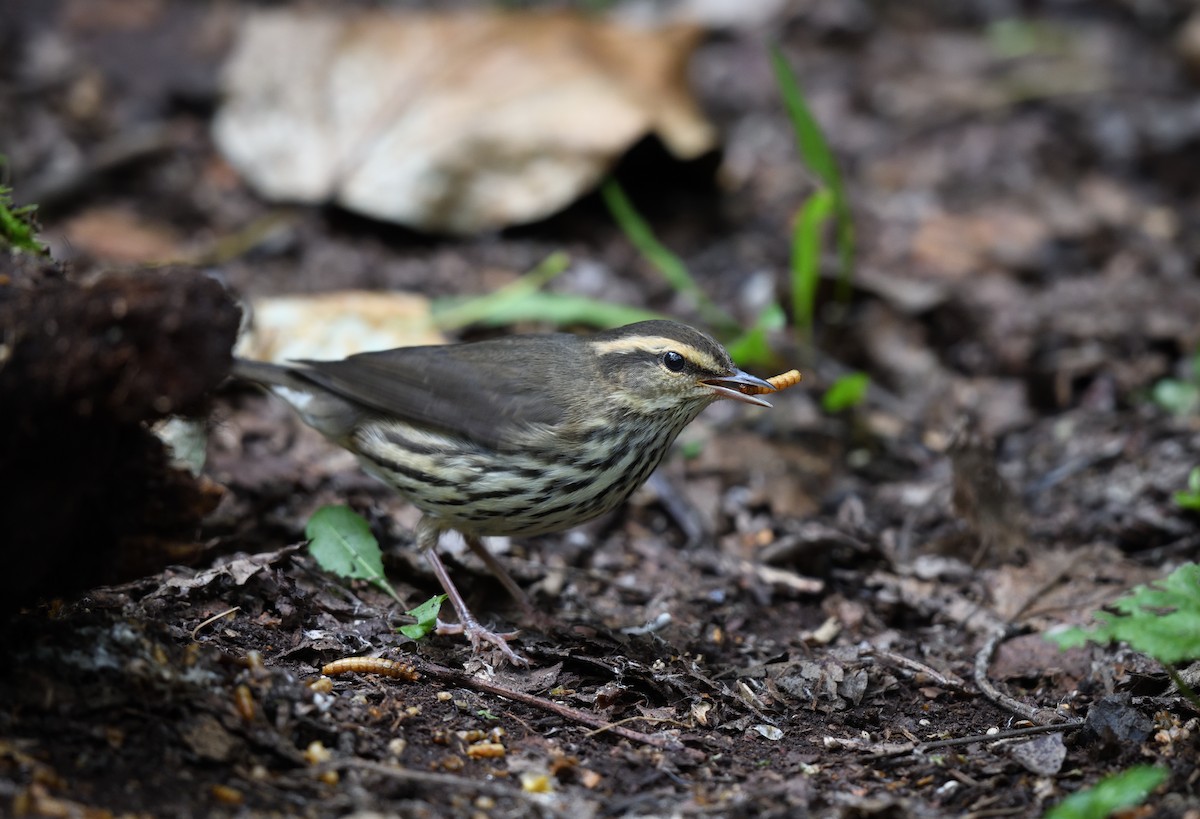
<point>449,122</point>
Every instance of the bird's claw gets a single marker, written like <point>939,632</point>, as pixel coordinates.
<point>477,634</point>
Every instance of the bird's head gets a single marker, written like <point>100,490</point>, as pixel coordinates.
<point>664,366</point>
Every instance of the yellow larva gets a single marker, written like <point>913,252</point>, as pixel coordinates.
<point>784,380</point>
<point>371,665</point>
<point>780,382</point>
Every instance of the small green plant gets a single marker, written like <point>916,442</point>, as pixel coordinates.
<point>828,201</point>
<point>18,228</point>
<point>1122,790</point>
<point>846,392</point>
<point>426,616</point>
<point>1190,497</point>
<point>1180,396</point>
<point>1161,620</point>
<point>341,542</point>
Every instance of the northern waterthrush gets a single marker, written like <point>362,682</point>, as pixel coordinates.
<point>513,436</point>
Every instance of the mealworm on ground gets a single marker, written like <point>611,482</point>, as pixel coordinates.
<point>371,665</point>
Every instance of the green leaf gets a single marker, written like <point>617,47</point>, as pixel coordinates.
<point>342,543</point>
<point>1162,620</point>
<point>848,391</point>
<point>1177,397</point>
<point>1113,793</point>
<point>426,615</point>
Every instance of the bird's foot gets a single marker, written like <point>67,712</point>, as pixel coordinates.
<point>467,624</point>
<point>476,634</point>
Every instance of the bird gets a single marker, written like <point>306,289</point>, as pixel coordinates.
<point>518,435</point>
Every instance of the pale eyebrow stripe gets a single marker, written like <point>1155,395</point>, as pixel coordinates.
<point>657,344</point>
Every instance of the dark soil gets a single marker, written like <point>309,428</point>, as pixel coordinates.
<point>809,613</point>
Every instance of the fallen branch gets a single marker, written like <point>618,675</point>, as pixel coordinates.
<point>566,712</point>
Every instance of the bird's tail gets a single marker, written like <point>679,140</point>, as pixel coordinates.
<point>266,373</point>
<point>330,414</point>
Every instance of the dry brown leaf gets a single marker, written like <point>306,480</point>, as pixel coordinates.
<point>120,236</point>
<point>454,123</point>
<point>956,246</point>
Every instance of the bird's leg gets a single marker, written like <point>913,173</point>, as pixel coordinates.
<point>427,538</point>
<point>475,544</point>
<point>532,617</point>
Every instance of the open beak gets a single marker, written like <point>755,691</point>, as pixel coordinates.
<point>740,386</point>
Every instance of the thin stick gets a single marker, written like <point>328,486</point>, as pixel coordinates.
<point>922,747</point>
<point>444,674</point>
<point>213,619</point>
<point>1041,716</point>
<point>945,681</point>
<point>449,782</point>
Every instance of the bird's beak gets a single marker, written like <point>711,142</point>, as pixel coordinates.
<point>740,386</point>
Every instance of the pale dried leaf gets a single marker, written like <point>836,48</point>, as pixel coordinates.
<point>335,325</point>
<point>450,122</point>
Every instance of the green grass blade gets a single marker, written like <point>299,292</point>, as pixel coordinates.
<point>559,309</point>
<point>814,150</point>
<point>451,314</point>
<point>672,268</point>
<point>806,255</point>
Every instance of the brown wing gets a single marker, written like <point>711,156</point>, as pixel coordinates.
<point>485,391</point>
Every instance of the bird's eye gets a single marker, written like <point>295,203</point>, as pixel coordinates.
<point>673,361</point>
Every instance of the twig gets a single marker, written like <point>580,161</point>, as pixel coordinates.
<point>444,674</point>
<point>441,780</point>
<point>951,681</point>
<point>201,626</point>
<point>923,747</point>
<point>1041,716</point>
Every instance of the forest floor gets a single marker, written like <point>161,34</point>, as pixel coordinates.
<point>806,603</point>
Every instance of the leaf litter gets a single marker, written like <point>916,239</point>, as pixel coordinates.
<point>1045,350</point>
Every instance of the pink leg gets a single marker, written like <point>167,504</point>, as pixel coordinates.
<point>496,568</point>
<point>427,535</point>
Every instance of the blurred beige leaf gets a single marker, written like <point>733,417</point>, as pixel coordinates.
<point>335,325</point>
<point>120,236</point>
<point>453,123</point>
